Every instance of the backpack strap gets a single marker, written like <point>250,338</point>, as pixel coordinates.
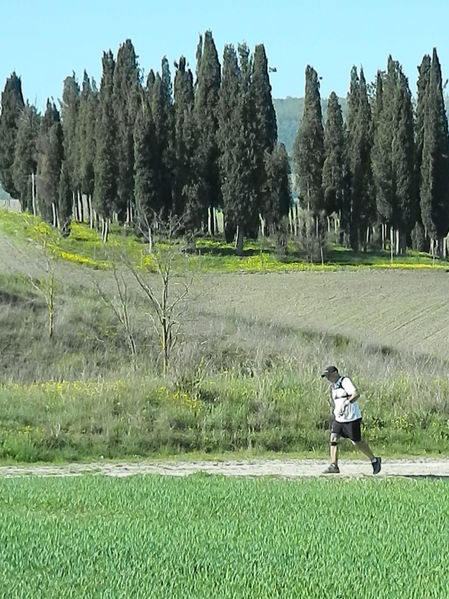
<point>338,384</point>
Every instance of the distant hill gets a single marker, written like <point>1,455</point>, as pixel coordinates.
<point>289,112</point>
<point>4,195</point>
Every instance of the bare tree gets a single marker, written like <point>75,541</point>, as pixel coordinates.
<point>46,287</point>
<point>120,306</point>
<point>166,296</point>
<point>312,236</point>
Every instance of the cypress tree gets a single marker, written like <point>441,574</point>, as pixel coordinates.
<point>249,219</point>
<point>151,78</point>
<point>393,152</point>
<point>65,198</point>
<point>434,190</point>
<point>12,106</point>
<point>334,158</point>
<point>88,110</point>
<point>50,156</point>
<point>418,237</point>
<point>70,126</point>
<point>162,111</point>
<point>359,143</point>
<point>352,101</point>
<point>105,191</point>
<point>308,150</point>
<point>265,125</point>
<point>238,144</point>
<point>188,181</point>
<point>25,157</point>
<point>199,53</point>
<point>421,108</point>
<point>228,130</point>
<point>384,119</point>
<point>146,173</point>
<point>126,90</point>
<point>403,159</point>
<point>183,107</point>
<point>278,193</point>
<point>206,113</point>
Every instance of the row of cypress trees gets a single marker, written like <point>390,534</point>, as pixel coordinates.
<point>387,163</point>
<point>135,148</point>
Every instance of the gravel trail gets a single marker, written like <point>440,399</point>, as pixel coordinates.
<point>294,468</point>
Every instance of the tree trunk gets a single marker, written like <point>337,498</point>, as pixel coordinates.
<point>80,207</point>
<point>215,220</point>
<point>239,243</point>
<point>55,217</point>
<point>337,222</point>
<point>150,240</point>
<point>229,231</point>
<point>91,212</point>
<point>295,221</point>
<point>33,194</point>
<point>262,225</point>
<point>129,214</point>
<point>391,244</point>
<point>211,221</point>
<point>106,230</point>
<point>402,242</point>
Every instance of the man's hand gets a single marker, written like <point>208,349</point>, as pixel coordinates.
<point>344,405</point>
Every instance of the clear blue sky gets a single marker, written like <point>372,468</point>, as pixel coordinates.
<point>45,40</point>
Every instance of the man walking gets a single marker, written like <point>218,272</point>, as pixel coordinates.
<point>346,419</point>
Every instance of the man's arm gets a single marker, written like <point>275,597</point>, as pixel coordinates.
<point>351,392</point>
<point>351,398</point>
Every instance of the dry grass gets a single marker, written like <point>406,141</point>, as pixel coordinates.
<point>402,310</point>
<point>252,349</point>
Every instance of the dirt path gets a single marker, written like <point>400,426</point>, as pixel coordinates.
<point>413,468</point>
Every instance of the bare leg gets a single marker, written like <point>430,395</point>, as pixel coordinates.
<point>334,454</point>
<point>334,449</point>
<point>364,448</point>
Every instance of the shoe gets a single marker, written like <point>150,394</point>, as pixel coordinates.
<point>332,469</point>
<point>377,465</point>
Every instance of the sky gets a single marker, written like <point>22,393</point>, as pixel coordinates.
<point>44,41</point>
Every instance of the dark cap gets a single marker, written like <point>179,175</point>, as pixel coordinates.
<point>329,370</point>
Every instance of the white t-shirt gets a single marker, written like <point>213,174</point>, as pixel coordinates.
<point>341,390</point>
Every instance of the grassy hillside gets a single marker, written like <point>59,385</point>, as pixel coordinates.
<point>245,372</point>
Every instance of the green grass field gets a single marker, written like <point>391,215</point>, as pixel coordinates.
<point>208,536</point>
<point>84,247</point>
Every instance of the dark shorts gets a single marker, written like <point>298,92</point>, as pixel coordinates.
<point>348,430</point>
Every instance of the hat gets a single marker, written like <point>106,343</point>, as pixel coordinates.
<point>329,370</point>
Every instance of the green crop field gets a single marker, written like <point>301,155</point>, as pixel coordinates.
<point>207,536</point>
